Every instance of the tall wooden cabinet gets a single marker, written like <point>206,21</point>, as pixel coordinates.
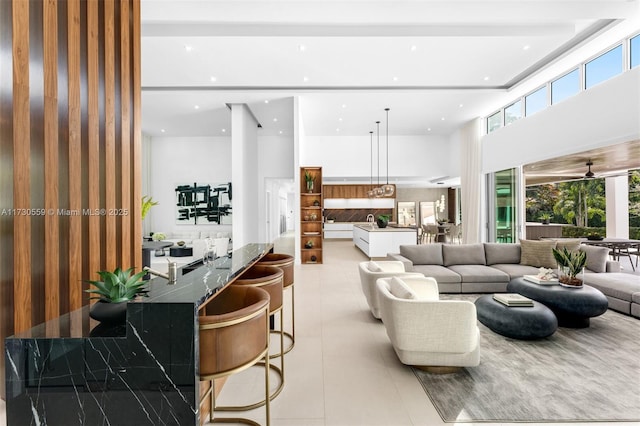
<point>311,203</point>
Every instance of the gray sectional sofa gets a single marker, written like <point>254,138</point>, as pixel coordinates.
<point>488,268</point>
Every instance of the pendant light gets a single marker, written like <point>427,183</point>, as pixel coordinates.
<point>378,191</point>
<point>370,192</point>
<point>387,189</point>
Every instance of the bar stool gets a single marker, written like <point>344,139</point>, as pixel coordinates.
<point>268,278</point>
<point>284,262</point>
<point>234,335</point>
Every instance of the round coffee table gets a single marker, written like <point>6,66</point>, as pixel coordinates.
<point>525,323</point>
<point>572,306</point>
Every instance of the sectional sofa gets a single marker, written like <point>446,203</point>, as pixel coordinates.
<point>488,268</point>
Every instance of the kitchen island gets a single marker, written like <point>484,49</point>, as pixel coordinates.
<point>377,242</point>
<point>73,370</point>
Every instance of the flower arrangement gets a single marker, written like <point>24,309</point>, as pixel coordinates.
<point>545,274</point>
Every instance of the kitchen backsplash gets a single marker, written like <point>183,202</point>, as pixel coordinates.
<point>355,215</point>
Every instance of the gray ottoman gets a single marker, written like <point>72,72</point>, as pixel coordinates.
<point>525,323</point>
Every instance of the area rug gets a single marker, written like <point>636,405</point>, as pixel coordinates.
<point>590,374</point>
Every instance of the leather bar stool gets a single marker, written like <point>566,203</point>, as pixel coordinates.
<point>234,335</point>
<point>284,262</point>
<point>270,279</point>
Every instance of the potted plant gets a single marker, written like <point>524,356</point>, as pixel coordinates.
<point>113,291</point>
<point>382,220</point>
<point>570,264</point>
<point>147,203</point>
<point>545,218</point>
<point>308,244</point>
<point>308,177</point>
<point>442,221</point>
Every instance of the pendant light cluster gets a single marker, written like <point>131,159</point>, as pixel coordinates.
<point>385,190</point>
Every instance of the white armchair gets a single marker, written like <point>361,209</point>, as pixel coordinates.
<point>425,331</point>
<point>371,271</point>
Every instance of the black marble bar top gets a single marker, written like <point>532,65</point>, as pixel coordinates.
<point>73,370</point>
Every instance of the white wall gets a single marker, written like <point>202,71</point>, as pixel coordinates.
<point>174,160</point>
<point>409,156</point>
<point>602,115</point>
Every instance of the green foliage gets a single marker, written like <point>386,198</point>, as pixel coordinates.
<point>634,199</point>
<point>384,217</point>
<point>147,203</point>
<point>582,232</point>
<point>574,261</point>
<point>545,216</point>
<point>539,199</point>
<point>308,177</point>
<point>118,286</point>
<point>580,201</point>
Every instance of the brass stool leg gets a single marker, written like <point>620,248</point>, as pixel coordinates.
<point>291,336</point>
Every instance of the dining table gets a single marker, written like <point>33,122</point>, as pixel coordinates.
<point>620,247</point>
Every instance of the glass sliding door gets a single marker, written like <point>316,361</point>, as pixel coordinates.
<point>503,213</point>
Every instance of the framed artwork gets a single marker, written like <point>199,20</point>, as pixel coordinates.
<point>203,203</point>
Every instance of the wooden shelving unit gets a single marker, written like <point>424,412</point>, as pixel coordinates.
<point>311,204</point>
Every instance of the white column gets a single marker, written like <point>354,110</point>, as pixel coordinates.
<point>471,182</point>
<point>244,175</point>
<point>617,193</point>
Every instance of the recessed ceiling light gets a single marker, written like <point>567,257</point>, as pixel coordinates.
<point>460,106</point>
<point>224,130</point>
<point>305,79</point>
<point>486,78</point>
<point>525,47</point>
<point>213,78</point>
<point>280,132</point>
<point>429,129</point>
<point>266,101</point>
<point>275,119</point>
<point>344,105</point>
<point>395,78</point>
<point>162,130</point>
<point>337,130</point>
<point>442,119</point>
<point>196,106</point>
<point>302,47</point>
<point>188,48</point>
<point>414,47</point>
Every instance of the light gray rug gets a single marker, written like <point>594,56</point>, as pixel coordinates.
<point>590,374</point>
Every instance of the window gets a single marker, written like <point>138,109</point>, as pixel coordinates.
<point>564,87</point>
<point>635,51</point>
<point>536,101</point>
<point>513,112</point>
<point>494,122</point>
<point>603,67</point>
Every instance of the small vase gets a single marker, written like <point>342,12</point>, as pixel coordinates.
<point>310,186</point>
<point>382,223</point>
<point>111,313</point>
<point>566,280</point>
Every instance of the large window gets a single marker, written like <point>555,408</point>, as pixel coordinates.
<point>536,101</point>
<point>513,112</point>
<point>603,67</point>
<point>494,122</point>
<point>635,51</point>
<point>564,87</point>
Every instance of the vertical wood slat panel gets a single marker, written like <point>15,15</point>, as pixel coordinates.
<point>51,160</point>
<point>94,249</point>
<point>21,157</point>
<point>125,136</point>
<point>110,132</point>
<point>75,173</point>
<point>137,137</point>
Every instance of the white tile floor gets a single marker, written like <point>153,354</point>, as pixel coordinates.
<point>342,371</point>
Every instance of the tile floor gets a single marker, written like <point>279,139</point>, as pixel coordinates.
<point>342,371</point>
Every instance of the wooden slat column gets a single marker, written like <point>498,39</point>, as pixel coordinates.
<point>70,151</point>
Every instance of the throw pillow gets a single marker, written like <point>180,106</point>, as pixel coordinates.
<point>501,253</point>
<point>374,267</point>
<point>596,257</point>
<point>572,244</point>
<point>423,254</point>
<point>463,254</point>
<point>400,289</point>
<point>538,253</point>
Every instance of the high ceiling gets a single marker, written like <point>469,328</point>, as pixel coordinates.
<point>436,64</point>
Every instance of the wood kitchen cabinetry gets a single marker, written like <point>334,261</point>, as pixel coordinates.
<point>348,191</point>
<point>311,203</point>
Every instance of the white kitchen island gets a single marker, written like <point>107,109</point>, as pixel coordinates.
<point>377,242</point>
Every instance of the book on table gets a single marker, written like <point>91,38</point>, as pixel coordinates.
<point>535,279</point>
<point>512,299</point>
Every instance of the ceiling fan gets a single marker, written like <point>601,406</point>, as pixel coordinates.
<point>589,173</point>
<point>614,173</point>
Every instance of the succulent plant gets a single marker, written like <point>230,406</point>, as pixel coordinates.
<point>118,286</point>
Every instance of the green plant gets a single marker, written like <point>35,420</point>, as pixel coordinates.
<point>545,216</point>
<point>571,263</point>
<point>384,217</point>
<point>158,236</point>
<point>308,177</point>
<point>118,286</point>
<point>147,203</point>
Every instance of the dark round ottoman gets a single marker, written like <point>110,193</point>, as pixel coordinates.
<point>525,323</point>
<point>572,306</point>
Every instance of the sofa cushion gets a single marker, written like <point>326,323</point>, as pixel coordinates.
<point>516,270</point>
<point>426,254</point>
<point>498,253</point>
<point>463,254</point>
<point>596,257</point>
<point>615,284</point>
<point>635,297</point>
<point>441,274</point>
<point>537,253</point>
<point>400,289</point>
<point>480,274</point>
<point>374,267</point>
